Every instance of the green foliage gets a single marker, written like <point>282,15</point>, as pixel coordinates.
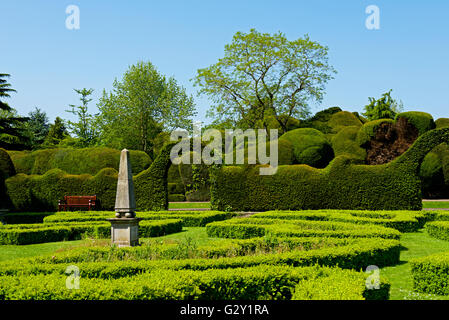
<point>264,75</point>
<point>37,128</point>
<point>431,274</point>
<point>309,147</point>
<point>42,192</point>
<point>245,228</point>
<point>403,221</point>
<point>420,120</point>
<point>384,108</point>
<point>24,217</point>
<point>343,119</point>
<point>341,185</point>
<point>345,143</point>
<point>56,134</point>
<point>255,283</point>
<point>434,172</point>
<point>442,123</point>
<point>189,218</point>
<point>438,229</point>
<point>76,161</point>
<point>6,165</point>
<point>140,107</point>
<point>40,233</point>
<point>320,121</point>
<point>368,131</point>
<point>176,197</point>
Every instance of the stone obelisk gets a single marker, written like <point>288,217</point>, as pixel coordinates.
<point>125,225</point>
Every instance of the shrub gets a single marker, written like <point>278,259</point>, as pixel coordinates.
<point>309,147</point>
<point>438,229</point>
<point>189,218</point>
<point>342,119</point>
<point>403,221</point>
<point>341,185</point>
<point>442,123</point>
<point>24,217</point>
<point>173,197</point>
<point>42,192</point>
<point>420,120</point>
<point>345,143</point>
<point>320,121</point>
<point>245,228</point>
<point>434,172</point>
<point>262,282</point>
<point>41,233</point>
<point>368,131</point>
<point>76,161</point>
<point>6,166</point>
<point>431,274</point>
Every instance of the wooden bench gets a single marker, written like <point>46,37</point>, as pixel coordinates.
<point>88,202</point>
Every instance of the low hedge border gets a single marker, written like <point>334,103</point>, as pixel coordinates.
<point>356,254</point>
<point>40,233</point>
<point>431,274</point>
<point>243,228</point>
<point>189,218</point>
<point>261,282</point>
<point>403,221</point>
<point>24,217</point>
<point>438,229</point>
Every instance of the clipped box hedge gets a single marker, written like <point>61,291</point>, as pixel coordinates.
<point>341,185</point>
<point>438,229</point>
<point>40,233</point>
<point>403,221</point>
<point>431,274</point>
<point>261,282</point>
<point>189,218</point>
<point>244,228</point>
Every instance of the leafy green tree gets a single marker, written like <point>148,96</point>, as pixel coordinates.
<point>384,108</point>
<point>12,131</point>
<point>263,75</point>
<point>37,127</point>
<point>140,107</point>
<point>56,134</point>
<point>85,128</point>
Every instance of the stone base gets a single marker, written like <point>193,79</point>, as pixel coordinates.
<point>125,231</point>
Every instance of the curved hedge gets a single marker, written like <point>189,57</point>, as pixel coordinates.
<point>341,185</point>
<point>42,192</point>
<point>189,218</point>
<point>420,120</point>
<point>340,120</point>
<point>41,233</point>
<point>431,274</point>
<point>438,229</point>
<point>76,161</point>
<point>255,283</point>
<point>345,143</point>
<point>245,228</point>
<point>403,221</point>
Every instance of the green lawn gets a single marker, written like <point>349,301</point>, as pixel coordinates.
<point>417,244</point>
<point>436,204</point>
<point>189,205</point>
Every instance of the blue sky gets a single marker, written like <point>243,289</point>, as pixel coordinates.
<point>409,54</point>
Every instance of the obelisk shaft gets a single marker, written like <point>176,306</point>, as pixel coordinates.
<point>125,201</point>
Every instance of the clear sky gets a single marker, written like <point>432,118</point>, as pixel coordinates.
<point>409,53</point>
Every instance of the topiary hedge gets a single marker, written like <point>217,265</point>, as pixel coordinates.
<point>309,147</point>
<point>42,192</point>
<point>76,161</point>
<point>41,233</point>
<point>255,283</point>
<point>345,143</point>
<point>431,274</point>
<point>420,120</point>
<point>341,185</point>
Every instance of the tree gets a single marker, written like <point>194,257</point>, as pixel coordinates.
<point>12,131</point>
<point>84,128</point>
<point>384,108</point>
<point>37,127</point>
<point>263,75</point>
<point>142,105</point>
<point>56,134</point>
